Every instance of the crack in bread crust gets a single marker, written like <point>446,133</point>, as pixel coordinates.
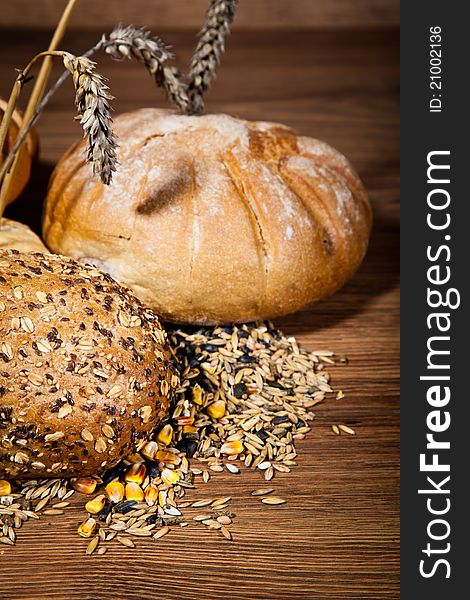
<point>255,223</point>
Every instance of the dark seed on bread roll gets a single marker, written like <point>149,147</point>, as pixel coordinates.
<point>84,368</point>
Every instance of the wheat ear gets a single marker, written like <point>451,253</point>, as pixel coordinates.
<point>209,49</point>
<point>151,51</point>
<point>28,125</point>
<point>92,102</point>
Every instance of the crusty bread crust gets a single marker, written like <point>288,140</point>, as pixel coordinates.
<point>84,368</point>
<point>26,156</point>
<point>20,237</point>
<point>213,219</point>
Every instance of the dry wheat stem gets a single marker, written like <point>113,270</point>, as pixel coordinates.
<point>18,84</point>
<point>27,126</point>
<point>123,42</point>
<point>38,88</point>
<point>133,42</point>
<point>209,49</point>
<point>151,51</point>
<point>5,122</point>
<point>92,101</point>
<point>20,80</point>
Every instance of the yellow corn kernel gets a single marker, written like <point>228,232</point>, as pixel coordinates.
<point>136,473</point>
<point>134,492</point>
<point>5,487</point>
<point>149,450</point>
<point>169,476</point>
<point>232,448</point>
<point>85,485</point>
<point>96,505</point>
<point>151,495</point>
<point>87,528</point>
<point>165,456</point>
<point>189,429</point>
<point>115,491</point>
<point>216,410</point>
<point>165,435</point>
<point>185,421</point>
<point>197,394</point>
<point>134,458</point>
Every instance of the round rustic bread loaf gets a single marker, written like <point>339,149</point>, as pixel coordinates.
<point>26,156</point>
<point>212,219</point>
<point>20,237</point>
<point>84,368</point>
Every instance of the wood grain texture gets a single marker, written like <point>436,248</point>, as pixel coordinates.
<point>338,535</point>
<point>251,14</point>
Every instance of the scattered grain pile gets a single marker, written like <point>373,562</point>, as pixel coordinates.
<point>246,396</point>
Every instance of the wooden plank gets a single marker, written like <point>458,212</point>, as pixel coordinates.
<point>338,535</point>
<point>164,14</point>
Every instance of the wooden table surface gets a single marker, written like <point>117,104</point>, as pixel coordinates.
<point>338,534</point>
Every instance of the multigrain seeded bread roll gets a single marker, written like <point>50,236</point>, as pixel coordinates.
<point>84,368</point>
<point>213,219</point>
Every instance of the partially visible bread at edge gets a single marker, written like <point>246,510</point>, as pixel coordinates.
<point>213,219</point>
<point>15,235</point>
<point>26,156</point>
<point>84,368</point>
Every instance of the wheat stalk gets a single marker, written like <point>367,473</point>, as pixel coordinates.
<point>209,49</point>
<point>92,97</point>
<point>28,125</point>
<point>38,88</point>
<point>92,102</point>
<point>122,42</point>
<point>132,42</point>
